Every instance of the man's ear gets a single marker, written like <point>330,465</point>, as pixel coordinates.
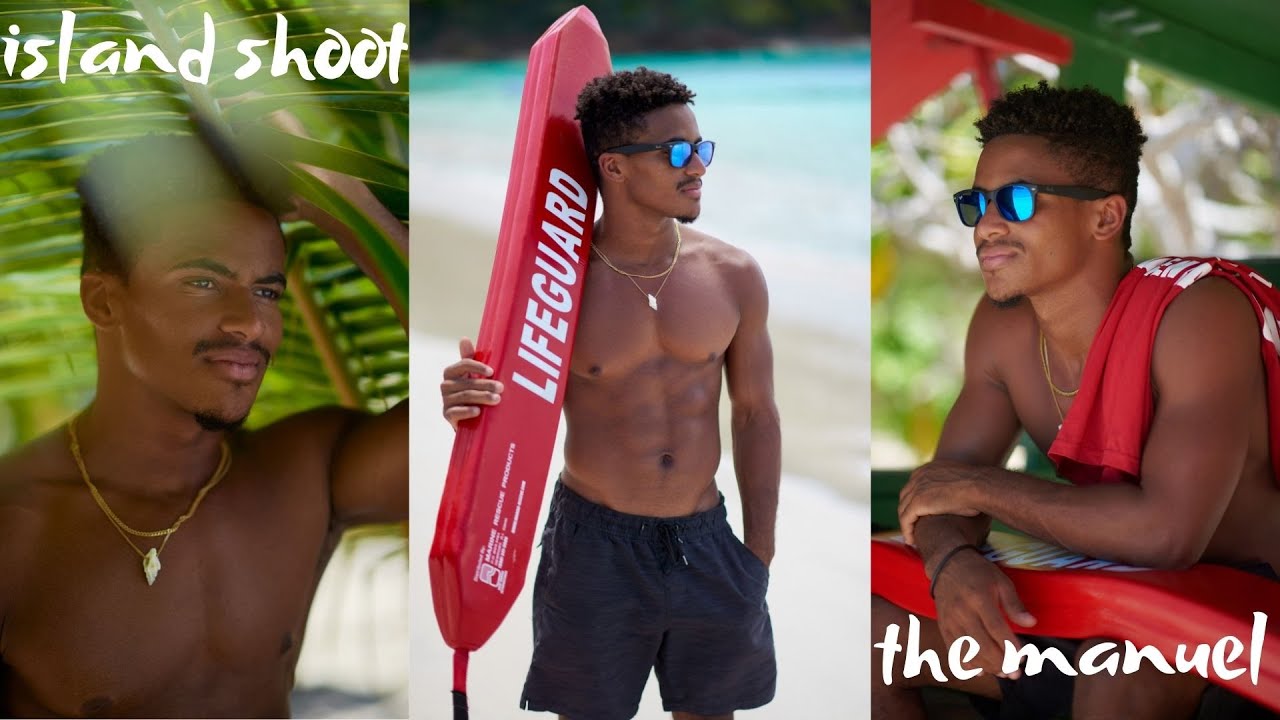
<point>100,297</point>
<point>611,168</point>
<point>1109,221</point>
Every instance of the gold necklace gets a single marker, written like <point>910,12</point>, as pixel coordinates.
<point>1054,390</point>
<point>1044,360</point>
<point>665,274</point>
<point>151,558</point>
<point>654,276</point>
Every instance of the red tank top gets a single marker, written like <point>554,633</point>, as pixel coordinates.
<point>1103,435</point>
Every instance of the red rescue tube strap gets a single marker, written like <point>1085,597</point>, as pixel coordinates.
<point>460,658</point>
<point>460,709</point>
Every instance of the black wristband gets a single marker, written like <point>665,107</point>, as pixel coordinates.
<point>937,572</point>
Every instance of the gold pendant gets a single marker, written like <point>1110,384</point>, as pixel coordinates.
<point>653,302</point>
<point>151,566</point>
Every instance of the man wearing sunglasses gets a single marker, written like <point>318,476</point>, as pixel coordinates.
<point>1164,431</point>
<point>639,568</point>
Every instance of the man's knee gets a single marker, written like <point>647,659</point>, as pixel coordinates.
<point>883,615</point>
<point>1146,693</point>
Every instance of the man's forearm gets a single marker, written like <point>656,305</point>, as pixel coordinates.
<point>938,534</point>
<point>1114,521</point>
<point>757,460</point>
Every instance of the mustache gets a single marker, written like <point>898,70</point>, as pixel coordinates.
<point>685,183</point>
<point>997,243</point>
<point>205,346</point>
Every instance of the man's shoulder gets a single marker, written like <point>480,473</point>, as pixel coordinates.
<point>703,245</point>
<point>32,476</point>
<point>313,431</point>
<point>734,264</point>
<point>1211,315</point>
<point>34,466</point>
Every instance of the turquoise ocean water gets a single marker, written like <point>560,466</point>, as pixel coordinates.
<point>789,182</point>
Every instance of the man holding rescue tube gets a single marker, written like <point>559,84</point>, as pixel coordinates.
<point>156,560</point>
<point>640,570</point>
<point>1147,386</point>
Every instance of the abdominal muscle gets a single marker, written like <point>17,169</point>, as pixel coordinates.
<point>646,442</point>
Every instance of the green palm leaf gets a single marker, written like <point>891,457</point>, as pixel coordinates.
<point>343,342</point>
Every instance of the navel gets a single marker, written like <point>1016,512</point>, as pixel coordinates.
<point>286,643</point>
<point>97,707</point>
<point>667,461</point>
<point>595,371</point>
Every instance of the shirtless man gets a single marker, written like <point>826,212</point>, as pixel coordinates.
<point>1206,491</point>
<point>639,567</point>
<point>182,276</point>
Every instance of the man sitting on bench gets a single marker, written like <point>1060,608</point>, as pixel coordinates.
<point>1148,387</point>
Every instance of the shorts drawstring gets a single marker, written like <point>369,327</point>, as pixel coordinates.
<point>668,535</point>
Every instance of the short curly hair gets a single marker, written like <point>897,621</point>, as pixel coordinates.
<point>611,108</point>
<point>1096,139</point>
<point>129,193</point>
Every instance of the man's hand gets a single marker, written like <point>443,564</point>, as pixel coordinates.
<point>941,487</point>
<point>464,390</point>
<point>765,554</point>
<point>970,595</point>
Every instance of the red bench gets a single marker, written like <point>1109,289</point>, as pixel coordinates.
<point>1073,596</point>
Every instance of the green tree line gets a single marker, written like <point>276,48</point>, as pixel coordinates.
<point>478,29</point>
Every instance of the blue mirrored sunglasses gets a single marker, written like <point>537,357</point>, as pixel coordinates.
<point>1016,201</point>
<point>680,151</point>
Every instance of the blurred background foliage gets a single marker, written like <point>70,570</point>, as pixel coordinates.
<point>1209,185</point>
<point>343,341</point>
<point>481,29</point>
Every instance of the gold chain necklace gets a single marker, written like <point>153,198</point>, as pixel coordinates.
<point>665,274</point>
<point>151,558</point>
<point>1054,390</point>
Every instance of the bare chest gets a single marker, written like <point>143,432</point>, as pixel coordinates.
<point>620,331</point>
<point>1040,410</point>
<point>221,625</point>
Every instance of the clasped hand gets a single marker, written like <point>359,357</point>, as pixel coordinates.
<point>941,487</point>
<point>970,600</point>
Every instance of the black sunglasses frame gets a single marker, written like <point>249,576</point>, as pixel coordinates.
<point>669,147</point>
<point>1076,192</point>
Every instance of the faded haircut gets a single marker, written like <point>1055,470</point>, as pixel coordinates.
<point>611,108</point>
<point>1094,138</point>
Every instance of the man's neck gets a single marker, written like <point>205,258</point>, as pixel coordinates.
<point>635,238</point>
<point>146,448</point>
<point>1069,316</point>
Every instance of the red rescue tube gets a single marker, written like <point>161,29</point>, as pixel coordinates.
<point>498,471</point>
<point>1074,596</point>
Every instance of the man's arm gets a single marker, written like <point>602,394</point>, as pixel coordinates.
<point>369,476</point>
<point>370,469</point>
<point>1206,367</point>
<point>979,430</point>
<point>757,436</point>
